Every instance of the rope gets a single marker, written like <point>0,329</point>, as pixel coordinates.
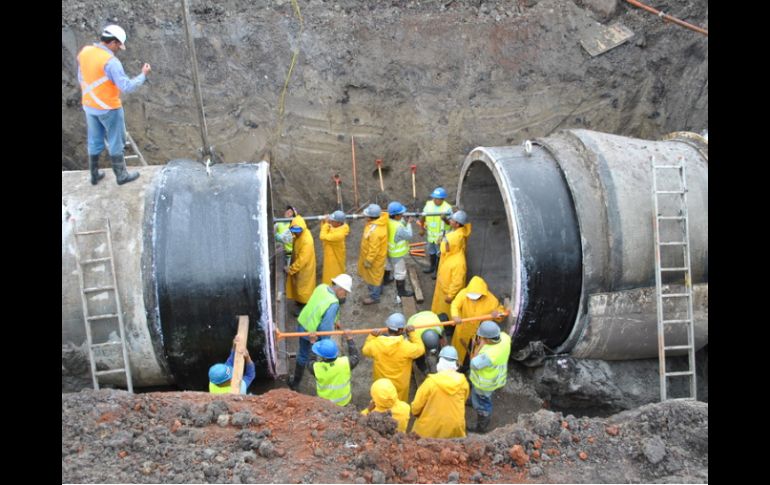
<point>206,150</point>
<point>282,98</point>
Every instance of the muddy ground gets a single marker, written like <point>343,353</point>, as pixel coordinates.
<point>415,82</point>
<point>283,437</point>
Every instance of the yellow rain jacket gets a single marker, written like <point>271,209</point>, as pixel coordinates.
<point>440,405</point>
<point>386,399</point>
<point>450,277</point>
<point>374,248</point>
<point>393,359</point>
<point>464,307</point>
<point>333,240</point>
<point>300,282</point>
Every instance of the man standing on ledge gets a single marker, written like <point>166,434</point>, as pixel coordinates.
<point>102,79</point>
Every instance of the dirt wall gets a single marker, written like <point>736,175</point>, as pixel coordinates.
<point>414,82</point>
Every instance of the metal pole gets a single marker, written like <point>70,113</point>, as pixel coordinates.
<point>198,96</point>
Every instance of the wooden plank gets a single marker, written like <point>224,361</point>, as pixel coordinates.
<point>408,306</point>
<point>415,284</point>
<point>240,347</point>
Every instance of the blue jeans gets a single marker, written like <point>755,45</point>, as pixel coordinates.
<point>110,126</point>
<point>432,248</point>
<point>374,291</point>
<point>303,355</point>
<point>481,402</point>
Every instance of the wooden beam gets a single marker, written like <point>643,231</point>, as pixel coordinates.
<point>240,347</point>
<point>408,306</point>
<point>415,284</point>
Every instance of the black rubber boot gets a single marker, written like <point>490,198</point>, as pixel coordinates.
<point>122,176</point>
<point>387,278</point>
<point>482,423</point>
<point>93,166</point>
<point>438,259</point>
<point>432,265</point>
<point>299,370</point>
<point>401,288</point>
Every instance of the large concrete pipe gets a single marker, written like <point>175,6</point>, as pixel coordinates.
<point>191,252</point>
<point>566,231</point>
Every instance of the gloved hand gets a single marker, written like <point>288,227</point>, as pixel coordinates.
<point>367,264</point>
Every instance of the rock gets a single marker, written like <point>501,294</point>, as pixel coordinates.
<point>266,449</point>
<point>565,437</point>
<point>223,420</point>
<point>208,453</point>
<point>241,418</point>
<point>359,480</point>
<point>535,471</point>
<point>446,456</point>
<point>546,423</point>
<point>654,449</point>
<point>318,452</point>
<point>498,458</point>
<point>248,457</point>
<point>477,477</point>
<point>518,455</point>
<point>453,477</point>
<point>378,477</point>
<point>604,9</point>
<point>612,430</point>
<point>583,455</point>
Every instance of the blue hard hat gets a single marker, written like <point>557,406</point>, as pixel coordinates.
<point>430,338</point>
<point>460,217</point>
<point>326,348</point>
<point>337,216</point>
<point>396,208</point>
<point>438,193</point>
<point>448,353</point>
<point>219,373</point>
<point>488,329</point>
<point>295,229</point>
<point>396,321</point>
<point>373,210</point>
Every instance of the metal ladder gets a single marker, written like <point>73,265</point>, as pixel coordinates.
<point>88,318</point>
<point>130,143</point>
<point>678,200</point>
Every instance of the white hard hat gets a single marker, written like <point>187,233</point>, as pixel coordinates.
<point>117,32</point>
<point>344,281</point>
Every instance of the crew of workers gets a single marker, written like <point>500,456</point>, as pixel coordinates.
<point>476,348</point>
<point>439,403</point>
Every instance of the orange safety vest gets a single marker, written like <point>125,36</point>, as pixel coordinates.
<point>98,91</point>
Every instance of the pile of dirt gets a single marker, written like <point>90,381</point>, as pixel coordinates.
<point>281,436</point>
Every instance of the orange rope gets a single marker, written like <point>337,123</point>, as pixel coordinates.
<point>669,17</point>
<point>361,331</point>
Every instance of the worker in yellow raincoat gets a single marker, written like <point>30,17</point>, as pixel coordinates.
<point>384,399</point>
<point>472,301</point>
<point>300,281</point>
<point>334,231</point>
<point>393,354</point>
<point>439,403</point>
<point>452,267</point>
<point>373,252</point>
